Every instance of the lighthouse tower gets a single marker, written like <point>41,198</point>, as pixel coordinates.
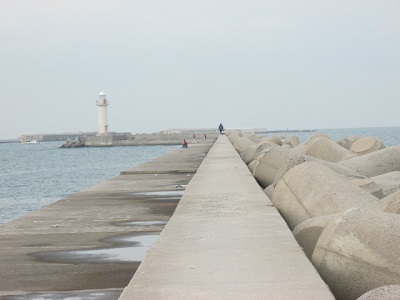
<point>102,104</point>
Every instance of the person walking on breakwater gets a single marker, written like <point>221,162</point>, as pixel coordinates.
<point>185,144</point>
<point>221,128</point>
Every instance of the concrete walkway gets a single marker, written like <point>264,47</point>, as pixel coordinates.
<point>225,241</point>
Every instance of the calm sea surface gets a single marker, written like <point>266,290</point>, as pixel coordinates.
<point>35,175</point>
<point>32,176</point>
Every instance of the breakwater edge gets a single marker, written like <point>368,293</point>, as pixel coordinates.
<point>340,198</point>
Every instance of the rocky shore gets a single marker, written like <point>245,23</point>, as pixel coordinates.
<point>341,199</point>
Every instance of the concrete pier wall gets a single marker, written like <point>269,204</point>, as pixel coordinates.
<point>226,241</point>
<point>341,201</point>
<point>127,139</point>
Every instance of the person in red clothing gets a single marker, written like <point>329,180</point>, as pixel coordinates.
<point>185,144</point>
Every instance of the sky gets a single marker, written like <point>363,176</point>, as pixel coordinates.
<point>274,64</point>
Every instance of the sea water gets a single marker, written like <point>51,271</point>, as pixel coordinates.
<point>35,175</point>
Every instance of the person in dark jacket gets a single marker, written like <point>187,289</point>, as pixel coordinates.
<point>221,128</point>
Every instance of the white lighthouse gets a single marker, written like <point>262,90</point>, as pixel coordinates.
<point>102,104</point>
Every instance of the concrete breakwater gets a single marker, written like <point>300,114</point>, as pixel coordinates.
<point>342,202</point>
<point>108,140</point>
<point>89,244</point>
<point>226,241</point>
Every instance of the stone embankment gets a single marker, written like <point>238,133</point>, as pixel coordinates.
<point>342,202</point>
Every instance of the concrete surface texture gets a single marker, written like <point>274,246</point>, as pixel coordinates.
<point>312,189</point>
<point>366,145</point>
<point>295,159</point>
<point>292,139</point>
<point>259,152</point>
<point>344,246</point>
<point>375,163</point>
<point>359,251</point>
<point>389,182</point>
<point>225,241</point>
<point>326,149</point>
<point>348,141</point>
<point>274,139</point>
<point>248,153</point>
<point>242,143</point>
<point>252,166</point>
<point>302,148</point>
<point>370,186</point>
<point>262,147</point>
<point>269,163</point>
<point>308,232</point>
<point>290,161</point>
<point>233,135</point>
<point>387,292</point>
<point>392,203</point>
<point>96,238</point>
<point>269,191</point>
<point>256,138</point>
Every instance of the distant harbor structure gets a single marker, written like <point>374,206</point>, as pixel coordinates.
<point>102,119</point>
<point>52,137</point>
<point>105,138</point>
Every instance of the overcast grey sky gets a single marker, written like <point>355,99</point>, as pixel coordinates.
<point>167,64</point>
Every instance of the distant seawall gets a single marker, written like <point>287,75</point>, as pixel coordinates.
<point>140,139</point>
